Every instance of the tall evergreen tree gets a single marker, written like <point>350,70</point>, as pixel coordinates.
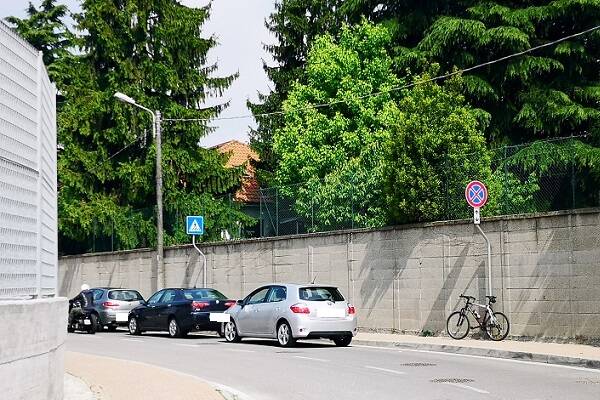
<point>154,51</point>
<point>45,30</point>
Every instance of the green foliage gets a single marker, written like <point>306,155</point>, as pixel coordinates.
<point>427,170</point>
<point>337,152</point>
<point>44,29</point>
<point>154,51</point>
<point>295,24</point>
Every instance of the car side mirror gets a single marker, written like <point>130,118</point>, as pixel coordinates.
<point>240,303</point>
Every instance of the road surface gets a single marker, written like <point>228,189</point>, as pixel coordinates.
<point>260,370</point>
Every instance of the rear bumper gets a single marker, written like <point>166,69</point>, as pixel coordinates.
<point>306,328</point>
<point>200,321</point>
<point>109,317</point>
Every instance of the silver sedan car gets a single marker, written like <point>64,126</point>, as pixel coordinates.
<point>288,312</point>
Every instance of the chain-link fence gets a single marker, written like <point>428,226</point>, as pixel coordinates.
<point>545,176</point>
<point>541,177</point>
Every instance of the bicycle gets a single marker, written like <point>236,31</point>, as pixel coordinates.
<point>495,324</point>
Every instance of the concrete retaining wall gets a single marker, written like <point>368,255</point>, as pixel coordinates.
<point>33,334</point>
<point>546,271</point>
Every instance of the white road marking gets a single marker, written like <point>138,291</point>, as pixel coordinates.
<point>240,350</point>
<point>386,370</point>
<point>377,348</point>
<point>311,358</point>
<point>539,364</point>
<point>460,385</point>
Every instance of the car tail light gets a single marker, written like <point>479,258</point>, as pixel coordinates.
<point>199,305</point>
<point>230,303</point>
<point>300,308</point>
<point>110,304</point>
<point>351,310</point>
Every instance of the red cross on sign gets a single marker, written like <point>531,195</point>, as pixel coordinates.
<point>476,194</point>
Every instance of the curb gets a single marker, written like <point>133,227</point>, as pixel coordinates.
<point>492,353</point>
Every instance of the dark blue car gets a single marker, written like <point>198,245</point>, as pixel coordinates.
<point>180,311</point>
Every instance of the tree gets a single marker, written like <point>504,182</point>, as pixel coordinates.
<point>431,137</point>
<point>154,51</point>
<point>335,154</point>
<point>295,25</point>
<point>45,30</point>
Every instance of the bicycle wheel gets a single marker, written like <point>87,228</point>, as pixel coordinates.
<point>499,330</point>
<point>458,325</point>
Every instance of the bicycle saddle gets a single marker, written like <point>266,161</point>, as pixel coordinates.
<point>492,299</point>
<point>467,297</point>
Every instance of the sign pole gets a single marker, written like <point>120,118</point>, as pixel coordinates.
<point>477,195</point>
<point>204,264</point>
<point>489,258</point>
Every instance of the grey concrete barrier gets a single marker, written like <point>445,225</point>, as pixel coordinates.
<point>32,337</point>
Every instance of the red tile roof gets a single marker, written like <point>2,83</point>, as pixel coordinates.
<point>240,154</point>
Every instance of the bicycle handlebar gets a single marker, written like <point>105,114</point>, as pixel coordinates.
<point>467,297</point>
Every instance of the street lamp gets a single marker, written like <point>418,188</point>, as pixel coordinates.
<point>156,133</point>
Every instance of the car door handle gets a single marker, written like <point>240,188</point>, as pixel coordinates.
<point>169,305</point>
<point>277,308</point>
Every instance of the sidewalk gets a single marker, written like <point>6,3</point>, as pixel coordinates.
<point>114,379</point>
<point>552,353</point>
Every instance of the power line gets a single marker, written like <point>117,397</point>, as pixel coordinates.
<point>397,88</point>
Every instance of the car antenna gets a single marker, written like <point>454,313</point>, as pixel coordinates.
<point>314,279</point>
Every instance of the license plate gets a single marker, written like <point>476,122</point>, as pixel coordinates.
<point>87,322</point>
<point>219,317</point>
<point>122,317</point>
<point>331,313</point>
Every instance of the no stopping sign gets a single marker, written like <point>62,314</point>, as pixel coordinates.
<point>476,194</point>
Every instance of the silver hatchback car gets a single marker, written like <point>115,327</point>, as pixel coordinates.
<point>112,306</point>
<point>288,312</point>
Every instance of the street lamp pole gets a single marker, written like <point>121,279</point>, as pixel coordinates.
<point>156,133</point>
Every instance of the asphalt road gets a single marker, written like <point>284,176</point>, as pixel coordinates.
<point>260,370</point>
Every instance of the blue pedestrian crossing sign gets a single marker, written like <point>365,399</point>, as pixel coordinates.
<point>194,225</point>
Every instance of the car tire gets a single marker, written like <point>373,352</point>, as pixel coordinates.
<point>134,326</point>
<point>221,331</point>
<point>70,329</point>
<point>231,333</point>
<point>94,324</point>
<point>284,335</point>
<point>175,330</point>
<point>343,341</point>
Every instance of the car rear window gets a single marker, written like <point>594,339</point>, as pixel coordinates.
<point>203,294</point>
<point>320,294</point>
<point>125,295</point>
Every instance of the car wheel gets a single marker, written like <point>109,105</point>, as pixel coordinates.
<point>343,341</point>
<point>94,324</point>
<point>231,333</point>
<point>284,335</point>
<point>134,326</point>
<point>175,330</point>
<point>70,329</point>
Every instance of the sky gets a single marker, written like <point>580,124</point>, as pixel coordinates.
<point>240,31</point>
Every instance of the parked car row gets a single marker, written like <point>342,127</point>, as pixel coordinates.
<point>286,312</point>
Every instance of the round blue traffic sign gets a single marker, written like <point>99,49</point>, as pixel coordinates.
<point>476,194</point>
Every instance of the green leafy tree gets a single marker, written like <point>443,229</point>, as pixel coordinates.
<point>336,153</point>
<point>428,167</point>
<point>295,24</point>
<point>153,51</point>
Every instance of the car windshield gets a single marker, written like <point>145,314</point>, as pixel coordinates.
<point>320,294</point>
<point>125,295</point>
<point>203,294</point>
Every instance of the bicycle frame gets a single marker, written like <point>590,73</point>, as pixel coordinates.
<point>487,317</point>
